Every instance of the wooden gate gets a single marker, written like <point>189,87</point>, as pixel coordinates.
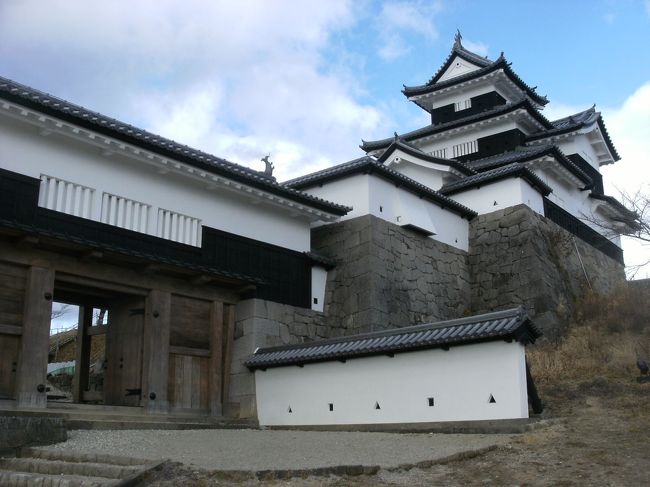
<point>12,293</point>
<point>123,374</point>
<point>200,354</point>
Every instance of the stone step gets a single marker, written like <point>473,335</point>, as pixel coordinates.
<point>65,456</point>
<point>141,424</point>
<point>59,467</point>
<point>25,479</point>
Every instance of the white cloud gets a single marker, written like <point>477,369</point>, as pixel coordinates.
<point>479,48</point>
<point>239,79</point>
<point>629,127</point>
<point>399,19</point>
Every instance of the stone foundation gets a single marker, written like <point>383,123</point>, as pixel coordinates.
<point>266,324</point>
<point>519,257</point>
<point>387,276</point>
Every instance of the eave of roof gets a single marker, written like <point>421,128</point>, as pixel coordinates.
<point>525,104</point>
<point>501,63</point>
<point>576,122</point>
<point>398,143</point>
<point>368,165</point>
<point>629,217</point>
<point>513,170</point>
<point>511,324</point>
<point>525,154</point>
<point>80,116</point>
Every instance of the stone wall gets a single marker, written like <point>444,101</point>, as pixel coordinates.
<point>519,257</point>
<point>18,430</point>
<point>261,323</point>
<point>387,276</point>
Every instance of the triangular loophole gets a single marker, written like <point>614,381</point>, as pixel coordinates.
<point>377,406</point>
<point>289,410</point>
<point>492,400</point>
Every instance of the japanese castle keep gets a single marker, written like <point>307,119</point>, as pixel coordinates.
<point>230,294</point>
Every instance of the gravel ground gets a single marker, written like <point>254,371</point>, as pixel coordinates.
<point>254,450</point>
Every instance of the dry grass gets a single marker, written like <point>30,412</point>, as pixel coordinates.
<point>607,336</point>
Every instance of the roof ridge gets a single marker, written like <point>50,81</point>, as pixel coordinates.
<point>122,130</point>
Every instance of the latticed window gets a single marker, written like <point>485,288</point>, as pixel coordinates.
<point>66,197</point>
<point>465,148</point>
<point>125,213</point>
<point>179,228</point>
<point>463,105</point>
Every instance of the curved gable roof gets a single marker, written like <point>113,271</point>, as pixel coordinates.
<point>485,65</point>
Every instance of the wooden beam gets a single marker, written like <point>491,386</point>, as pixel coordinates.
<point>11,330</point>
<point>30,240</point>
<point>201,279</point>
<point>35,340</point>
<point>229,329</point>
<point>215,379</point>
<point>102,274</point>
<point>82,358</point>
<point>92,255</point>
<point>195,352</point>
<point>155,360</point>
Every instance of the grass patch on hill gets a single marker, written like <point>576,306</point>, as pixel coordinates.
<point>598,355</point>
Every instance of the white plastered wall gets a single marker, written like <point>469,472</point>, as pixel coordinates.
<point>318,282</point>
<point>460,381</point>
<point>375,196</point>
<point>501,194</point>
<point>23,151</point>
<point>458,67</point>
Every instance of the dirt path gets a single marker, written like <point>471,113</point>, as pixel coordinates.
<point>603,439</point>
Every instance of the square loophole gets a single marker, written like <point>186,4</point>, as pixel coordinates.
<point>430,401</point>
<point>331,406</point>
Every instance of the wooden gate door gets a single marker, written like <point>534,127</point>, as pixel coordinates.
<point>9,347</point>
<point>123,379</point>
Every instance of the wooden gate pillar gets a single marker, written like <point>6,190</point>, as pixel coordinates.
<point>35,340</point>
<point>155,361</point>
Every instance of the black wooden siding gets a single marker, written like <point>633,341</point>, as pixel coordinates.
<point>491,145</point>
<point>480,103</point>
<point>281,275</point>
<point>581,230</point>
<point>591,171</point>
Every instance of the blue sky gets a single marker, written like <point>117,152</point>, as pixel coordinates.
<point>306,80</point>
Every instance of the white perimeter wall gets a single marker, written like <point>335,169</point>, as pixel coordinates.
<point>375,196</point>
<point>22,150</point>
<point>460,381</point>
<point>501,194</point>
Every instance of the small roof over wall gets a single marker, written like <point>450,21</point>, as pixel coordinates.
<point>511,324</point>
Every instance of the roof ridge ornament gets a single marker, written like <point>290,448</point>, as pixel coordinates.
<point>269,167</point>
<point>457,39</point>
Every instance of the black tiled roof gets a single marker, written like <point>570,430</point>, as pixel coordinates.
<point>628,216</point>
<point>576,122</point>
<point>523,154</point>
<point>511,170</point>
<point>485,66</point>
<point>398,143</point>
<point>64,110</point>
<point>511,324</point>
<point>368,165</point>
<point>368,146</point>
